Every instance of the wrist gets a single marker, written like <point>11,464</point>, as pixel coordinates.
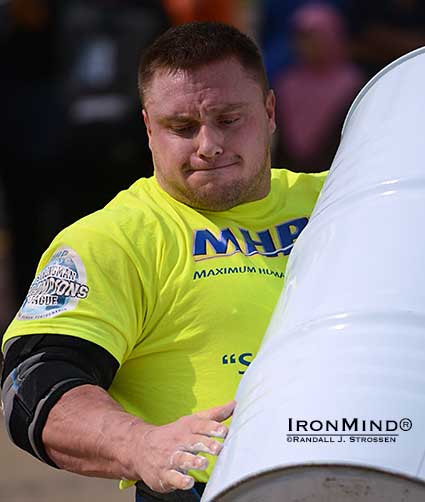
<point>133,448</point>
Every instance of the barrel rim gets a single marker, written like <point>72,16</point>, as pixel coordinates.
<point>315,466</point>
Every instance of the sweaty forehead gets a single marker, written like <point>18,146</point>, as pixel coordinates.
<point>218,85</point>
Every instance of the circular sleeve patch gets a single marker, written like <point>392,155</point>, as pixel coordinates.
<point>59,286</point>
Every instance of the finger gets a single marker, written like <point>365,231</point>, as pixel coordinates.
<point>174,480</point>
<point>218,413</point>
<point>183,461</point>
<point>209,428</point>
<point>204,445</point>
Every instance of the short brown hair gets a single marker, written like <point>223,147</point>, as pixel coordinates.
<point>192,45</point>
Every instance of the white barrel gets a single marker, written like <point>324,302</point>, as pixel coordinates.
<point>333,407</point>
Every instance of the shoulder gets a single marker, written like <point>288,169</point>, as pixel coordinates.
<point>141,209</point>
<point>299,190</point>
<point>139,224</point>
<point>290,180</point>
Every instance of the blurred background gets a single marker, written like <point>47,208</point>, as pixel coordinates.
<point>71,133</point>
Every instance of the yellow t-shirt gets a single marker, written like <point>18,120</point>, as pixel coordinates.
<point>180,297</point>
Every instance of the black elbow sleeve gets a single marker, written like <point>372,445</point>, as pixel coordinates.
<point>38,370</point>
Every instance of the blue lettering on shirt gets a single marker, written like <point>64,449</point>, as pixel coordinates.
<point>206,245</point>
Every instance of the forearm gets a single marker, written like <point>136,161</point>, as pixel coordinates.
<point>89,433</point>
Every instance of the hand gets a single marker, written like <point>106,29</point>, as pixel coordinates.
<point>169,451</point>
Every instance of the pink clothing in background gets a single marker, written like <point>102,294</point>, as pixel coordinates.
<point>314,95</point>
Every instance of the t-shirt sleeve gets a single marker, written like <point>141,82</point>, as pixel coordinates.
<point>87,286</point>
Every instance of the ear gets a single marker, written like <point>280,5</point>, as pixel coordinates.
<point>270,110</point>
<point>148,125</point>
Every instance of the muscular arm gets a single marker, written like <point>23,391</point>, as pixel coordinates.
<point>57,408</point>
<point>87,432</point>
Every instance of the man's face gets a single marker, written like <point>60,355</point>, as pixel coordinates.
<point>209,132</point>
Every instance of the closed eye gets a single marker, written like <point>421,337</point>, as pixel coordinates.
<point>185,130</point>
<point>228,120</point>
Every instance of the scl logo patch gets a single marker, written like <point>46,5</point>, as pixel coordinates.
<point>57,288</point>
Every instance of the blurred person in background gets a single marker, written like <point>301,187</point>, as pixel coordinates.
<point>274,32</point>
<point>314,94</point>
<point>383,30</point>
<point>106,148</point>
<point>31,129</point>
<point>71,134</point>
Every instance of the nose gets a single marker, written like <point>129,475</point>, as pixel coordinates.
<point>210,142</point>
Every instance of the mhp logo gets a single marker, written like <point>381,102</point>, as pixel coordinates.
<point>278,240</point>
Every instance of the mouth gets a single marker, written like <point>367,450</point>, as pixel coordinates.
<point>212,168</point>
